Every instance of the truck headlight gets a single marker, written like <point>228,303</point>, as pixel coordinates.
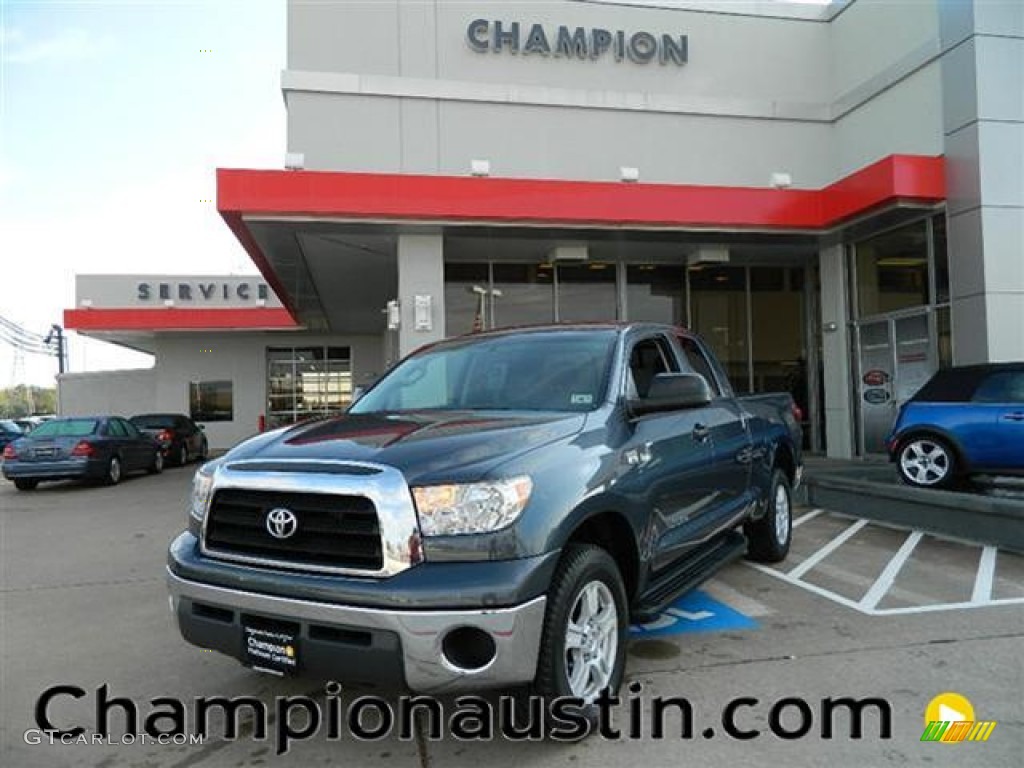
<point>451,510</point>
<point>202,491</point>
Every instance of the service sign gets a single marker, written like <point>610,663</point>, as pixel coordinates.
<point>200,291</point>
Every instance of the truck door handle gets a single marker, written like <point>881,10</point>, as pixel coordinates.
<point>1017,416</point>
<point>701,433</point>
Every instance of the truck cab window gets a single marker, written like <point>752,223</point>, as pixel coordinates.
<point>648,358</point>
<point>698,362</point>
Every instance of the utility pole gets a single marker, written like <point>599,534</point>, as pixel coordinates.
<point>56,335</point>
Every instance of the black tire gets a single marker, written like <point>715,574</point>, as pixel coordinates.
<point>769,537</point>
<point>924,461</point>
<point>114,471</point>
<point>204,451</point>
<point>158,463</point>
<point>581,566</point>
<point>26,485</point>
<point>182,458</point>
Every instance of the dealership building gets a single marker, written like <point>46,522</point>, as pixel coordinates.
<point>833,196</point>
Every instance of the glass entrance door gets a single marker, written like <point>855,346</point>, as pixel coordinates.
<point>896,356</point>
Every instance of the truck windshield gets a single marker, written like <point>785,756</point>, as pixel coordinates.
<point>542,371</point>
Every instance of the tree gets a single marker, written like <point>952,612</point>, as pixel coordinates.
<point>23,400</point>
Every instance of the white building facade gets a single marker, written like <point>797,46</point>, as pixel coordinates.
<point>832,196</point>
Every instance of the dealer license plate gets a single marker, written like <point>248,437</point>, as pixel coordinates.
<point>272,650</point>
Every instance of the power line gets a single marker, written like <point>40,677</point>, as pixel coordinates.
<point>19,330</point>
<point>24,340</point>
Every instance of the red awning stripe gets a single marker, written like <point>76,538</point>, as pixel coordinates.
<point>574,203</point>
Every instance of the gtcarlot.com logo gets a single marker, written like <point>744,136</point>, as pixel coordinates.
<point>949,718</point>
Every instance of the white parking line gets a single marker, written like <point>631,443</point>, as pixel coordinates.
<point>805,518</point>
<point>983,581</point>
<point>827,550</point>
<point>748,606</point>
<point>808,586</point>
<point>943,607</point>
<point>867,605</point>
<point>885,580</point>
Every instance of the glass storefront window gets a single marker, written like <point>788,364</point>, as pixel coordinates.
<point>303,382</point>
<point>776,306</point>
<point>892,270</point>
<point>586,293</point>
<point>462,307</point>
<point>944,331</point>
<point>718,312</point>
<point>941,259</point>
<point>527,295</point>
<point>656,294</point>
<point>211,401</point>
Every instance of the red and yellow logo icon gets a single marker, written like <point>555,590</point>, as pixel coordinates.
<point>949,718</point>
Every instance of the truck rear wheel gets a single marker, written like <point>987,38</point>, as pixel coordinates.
<point>583,646</point>
<point>768,538</point>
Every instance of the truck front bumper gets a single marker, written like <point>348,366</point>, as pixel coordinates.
<point>427,651</point>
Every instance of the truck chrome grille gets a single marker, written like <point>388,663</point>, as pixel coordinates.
<point>331,530</point>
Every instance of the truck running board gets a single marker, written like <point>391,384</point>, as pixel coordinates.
<point>695,569</point>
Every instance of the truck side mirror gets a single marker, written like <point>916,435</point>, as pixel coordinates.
<point>672,392</point>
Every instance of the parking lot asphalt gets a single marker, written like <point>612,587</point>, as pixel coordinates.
<point>883,613</point>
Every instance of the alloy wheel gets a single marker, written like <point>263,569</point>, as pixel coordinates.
<point>591,641</point>
<point>925,462</point>
<point>782,514</point>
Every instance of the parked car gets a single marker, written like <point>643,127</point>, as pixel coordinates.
<point>180,438</point>
<point>493,512</point>
<point>964,421</point>
<point>28,423</point>
<point>101,448</point>
<point>9,431</point>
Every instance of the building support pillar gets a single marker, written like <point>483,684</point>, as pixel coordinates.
<point>835,342</point>
<point>983,122</point>
<point>420,290</point>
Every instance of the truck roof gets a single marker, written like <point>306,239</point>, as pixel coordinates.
<point>582,326</point>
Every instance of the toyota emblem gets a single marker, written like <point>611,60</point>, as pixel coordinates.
<point>281,523</point>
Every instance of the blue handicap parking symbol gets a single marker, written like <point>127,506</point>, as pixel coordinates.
<point>694,612</point>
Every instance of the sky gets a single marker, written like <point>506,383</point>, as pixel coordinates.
<point>113,119</point>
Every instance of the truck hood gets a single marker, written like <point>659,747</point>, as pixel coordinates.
<point>427,446</point>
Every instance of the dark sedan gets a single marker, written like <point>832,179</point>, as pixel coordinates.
<point>102,448</point>
<point>9,432</point>
<point>180,438</point>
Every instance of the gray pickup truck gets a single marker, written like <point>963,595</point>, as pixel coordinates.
<point>494,512</point>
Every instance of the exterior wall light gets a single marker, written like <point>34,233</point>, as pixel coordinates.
<point>480,167</point>
<point>422,314</point>
<point>781,180</point>
<point>628,173</point>
<point>394,315</point>
<point>294,161</point>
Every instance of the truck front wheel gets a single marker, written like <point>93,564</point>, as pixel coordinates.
<point>583,647</point>
<point>768,538</point>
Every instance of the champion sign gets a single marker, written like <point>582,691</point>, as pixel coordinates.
<point>641,47</point>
